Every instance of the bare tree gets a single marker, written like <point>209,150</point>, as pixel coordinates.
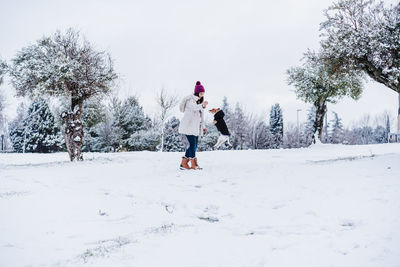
<point>166,103</point>
<point>64,64</point>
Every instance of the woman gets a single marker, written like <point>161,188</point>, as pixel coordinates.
<point>192,124</point>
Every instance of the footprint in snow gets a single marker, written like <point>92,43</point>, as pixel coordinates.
<point>348,225</point>
<point>209,219</point>
<point>102,213</point>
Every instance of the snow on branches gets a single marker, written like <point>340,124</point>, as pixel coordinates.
<point>365,35</point>
<point>64,64</point>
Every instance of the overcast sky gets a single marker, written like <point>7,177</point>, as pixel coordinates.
<point>239,49</point>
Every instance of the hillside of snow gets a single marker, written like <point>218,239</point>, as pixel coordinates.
<point>328,205</point>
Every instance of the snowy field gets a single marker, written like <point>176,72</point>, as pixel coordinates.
<point>329,205</point>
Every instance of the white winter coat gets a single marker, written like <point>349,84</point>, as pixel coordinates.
<point>192,122</point>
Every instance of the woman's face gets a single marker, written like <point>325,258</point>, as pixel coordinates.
<point>201,94</point>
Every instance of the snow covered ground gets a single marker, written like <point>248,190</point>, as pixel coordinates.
<point>329,205</point>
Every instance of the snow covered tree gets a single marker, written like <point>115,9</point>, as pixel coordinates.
<point>387,127</point>
<point>133,120</point>
<point>260,135</point>
<point>173,140</point>
<point>2,97</point>
<point>16,127</point>
<point>115,108</point>
<point>144,140</point>
<point>319,81</point>
<point>309,128</point>
<point>128,119</point>
<point>276,125</point>
<point>380,135</point>
<point>103,135</point>
<point>4,131</point>
<point>291,138</point>
<point>240,128</point>
<point>336,129</point>
<point>63,64</point>
<point>228,112</point>
<point>3,125</point>
<point>95,123</point>
<point>364,35</point>
<point>166,103</point>
<point>37,132</point>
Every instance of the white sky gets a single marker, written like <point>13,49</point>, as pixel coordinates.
<point>240,49</point>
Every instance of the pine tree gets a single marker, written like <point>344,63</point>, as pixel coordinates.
<point>144,140</point>
<point>336,129</point>
<point>38,131</point>
<point>309,128</point>
<point>128,119</point>
<point>173,140</point>
<point>276,125</point>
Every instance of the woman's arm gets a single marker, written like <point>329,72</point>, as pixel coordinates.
<point>191,105</point>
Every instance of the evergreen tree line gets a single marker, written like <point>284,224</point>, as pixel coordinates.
<point>122,125</point>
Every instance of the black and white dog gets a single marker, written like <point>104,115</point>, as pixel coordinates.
<point>221,126</point>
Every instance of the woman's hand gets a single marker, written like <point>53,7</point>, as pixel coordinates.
<point>205,130</point>
<point>205,103</point>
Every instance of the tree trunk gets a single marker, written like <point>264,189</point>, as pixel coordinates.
<point>319,118</point>
<point>162,139</point>
<point>74,129</point>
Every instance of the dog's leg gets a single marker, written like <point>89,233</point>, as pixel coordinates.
<point>227,140</point>
<point>219,142</point>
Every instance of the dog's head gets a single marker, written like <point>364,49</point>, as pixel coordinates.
<point>214,110</point>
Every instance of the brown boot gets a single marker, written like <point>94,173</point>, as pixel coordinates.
<point>193,164</point>
<point>197,165</point>
<point>184,164</point>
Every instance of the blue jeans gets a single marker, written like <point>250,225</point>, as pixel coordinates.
<point>191,151</point>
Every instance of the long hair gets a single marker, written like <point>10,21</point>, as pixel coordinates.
<point>200,100</point>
